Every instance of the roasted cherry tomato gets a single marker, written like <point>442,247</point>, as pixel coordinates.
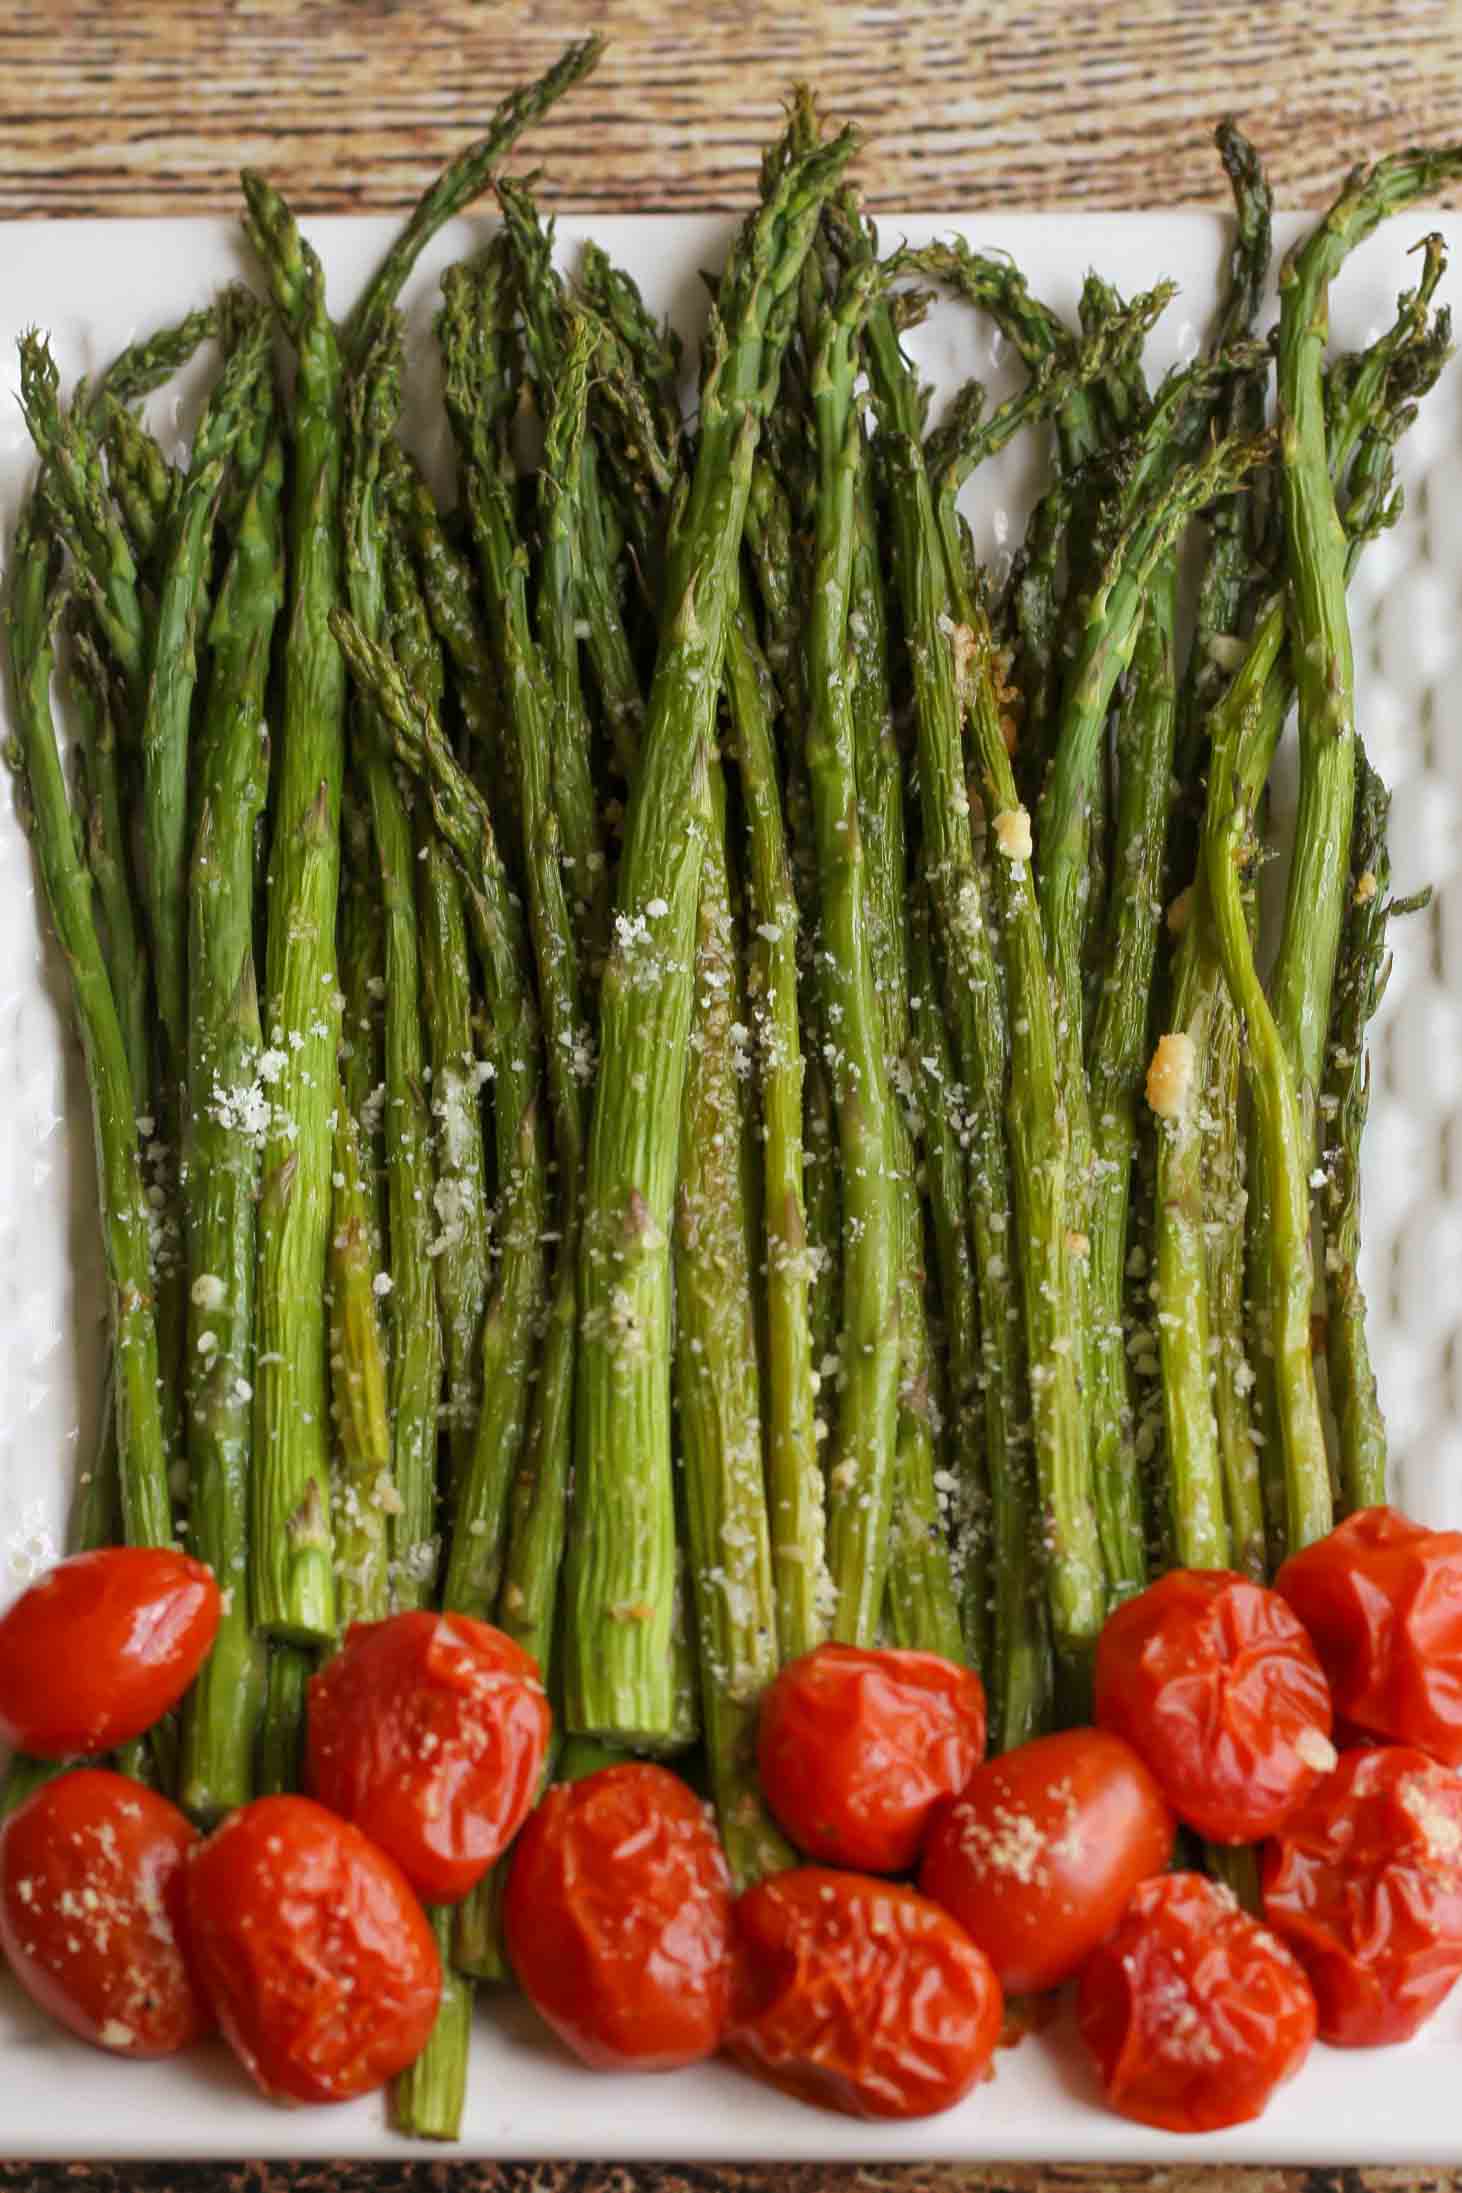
<point>1365,1885</point>
<point>857,1746</point>
<point>1041,1850</point>
<point>429,1732</point>
<point>859,1994</point>
<point>1382,1599</point>
<point>93,1913</point>
<point>1193,2011</point>
<point>618,1919</point>
<point>313,1949</point>
<point>1213,1680</point>
<point>102,1646</point>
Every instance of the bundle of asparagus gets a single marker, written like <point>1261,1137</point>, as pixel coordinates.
<point>673,1066</point>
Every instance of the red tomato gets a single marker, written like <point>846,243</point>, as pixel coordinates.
<point>1213,1680</point>
<point>429,1732</point>
<point>318,1958</point>
<point>1382,1599</point>
<point>1365,1885</point>
<point>1193,2011</point>
<point>1041,1850</point>
<point>92,1912</point>
<point>102,1646</point>
<point>618,1919</point>
<point>860,1995</point>
<point>857,1746</point>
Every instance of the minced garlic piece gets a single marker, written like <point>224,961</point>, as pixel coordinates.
<point>1365,888</point>
<point>1170,1076</point>
<point>1013,833</point>
<point>1180,911</point>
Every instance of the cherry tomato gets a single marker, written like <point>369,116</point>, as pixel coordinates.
<point>429,1732</point>
<point>617,1919</point>
<point>1213,1680</point>
<point>1194,2012</point>
<point>859,1994</point>
<point>317,1957</point>
<point>1382,1599</point>
<point>102,1646</point>
<point>92,1912</point>
<point>1041,1850</point>
<point>857,1746</point>
<point>1365,1885</point>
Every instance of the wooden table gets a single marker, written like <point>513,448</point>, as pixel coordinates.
<point>141,106</point>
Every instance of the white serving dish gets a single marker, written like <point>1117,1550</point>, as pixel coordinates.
<point>95,285</point>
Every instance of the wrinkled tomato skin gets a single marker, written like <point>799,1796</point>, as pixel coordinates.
<point>1365,1885</point>
<point>857,1746</point>
<point>93,1919</point>
<point>1039,1853</point>
<point>1382,1599</point>
<point>102,1646</point>
<point>429,1731</point>
<point>1213,1680</point>
<point>1194,2012</point>
<point>859,1995</point>
<point>617,1919</point>
<point>315,1953</point>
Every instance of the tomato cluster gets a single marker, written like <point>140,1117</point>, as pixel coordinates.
<point>873,1976</point>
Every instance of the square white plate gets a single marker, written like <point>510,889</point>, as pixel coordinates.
<point>95,285</point>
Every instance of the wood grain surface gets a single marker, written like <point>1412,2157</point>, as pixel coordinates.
<point>141,106</point>
<point>136,106</point>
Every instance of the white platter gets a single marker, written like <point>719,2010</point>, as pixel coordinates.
<point>95,286</point>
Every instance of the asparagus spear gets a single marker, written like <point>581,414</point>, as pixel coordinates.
<point>928,568</point>
<point>1360,983</point>
<point>465,178</point>
<point>561,356</point>
<point>279,1757</point>
<point>290,1553</point>
<point>475,1557</point>
<point>364,1496</point>
<point>861,1472</point>
<point>411,1303</point>
<point>101,802</point>
<point>221,1130</point>
<point>717,1379</point>
<point>173,674</point>
<point>146,364</point>
<point>143,484</point>
<point>78,506</point>
<point>794,1477</point>
<point>618,1674</point>
<point>462,1247</point>
<point>31,616</point>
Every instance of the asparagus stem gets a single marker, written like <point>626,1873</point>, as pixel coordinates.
<point>78,505</point>
<point>562,354</point>
<point>290,1554</point>
<point>31,614</point>
<point>474,1567</point>
<point>794,1476</point>
<point>100,799</point>
<point>279,1759</point>
<point>427,2098</point>
<point>929,569</point>
<point>619,1670</point>
<point>717,1380</point>
<point>462,1247</point>
<point>411,1304</point>
<point>363,1492</point>
<point>861,1473</point>
<point>221,1142</point>
<point>922,1602</point>
<point>460,182</point>
<point>1360,981</point>
<point>1243,732</point>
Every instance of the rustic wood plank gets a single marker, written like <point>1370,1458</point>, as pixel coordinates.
<point>151,106</point>
<point>137,106</point>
